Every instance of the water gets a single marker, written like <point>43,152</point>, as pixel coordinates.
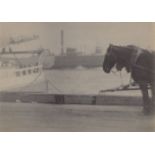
<point>55,117</point>
<point>82,81</point>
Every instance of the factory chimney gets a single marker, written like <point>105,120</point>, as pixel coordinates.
<point>62,42</point>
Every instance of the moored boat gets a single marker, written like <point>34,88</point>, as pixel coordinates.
<point>20,68</point>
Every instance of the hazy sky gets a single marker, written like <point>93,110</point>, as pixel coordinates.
<point>84,36</point>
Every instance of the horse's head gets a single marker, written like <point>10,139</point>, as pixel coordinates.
<point>118,56</point>
<point>110,60</point>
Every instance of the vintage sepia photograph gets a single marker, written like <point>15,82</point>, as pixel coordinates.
<point>77,77</point>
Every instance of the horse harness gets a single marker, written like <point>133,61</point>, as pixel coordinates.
<point>134,59</point>
<point>135,56</point>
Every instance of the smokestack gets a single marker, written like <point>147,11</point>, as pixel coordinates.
<point>62,42</point>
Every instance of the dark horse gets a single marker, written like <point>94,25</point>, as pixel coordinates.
<point>140,63</point>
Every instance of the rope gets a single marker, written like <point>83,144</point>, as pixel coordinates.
<point>121,78</point>
<point>32,82</point>
<point>49,82</point>
<point>122,87</point>
<point>19,62</point>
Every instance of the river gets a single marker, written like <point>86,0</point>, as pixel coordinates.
<point>81,81</point>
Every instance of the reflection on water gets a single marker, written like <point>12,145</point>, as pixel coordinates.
<point>81,81</point>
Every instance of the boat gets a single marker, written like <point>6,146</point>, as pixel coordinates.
<point>15,70</point>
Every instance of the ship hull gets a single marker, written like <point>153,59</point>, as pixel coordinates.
<point>75,61</point>
<point>14,78</point>
<point>47,61</point>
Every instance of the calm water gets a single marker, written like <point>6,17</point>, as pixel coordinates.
<point>81,81</point>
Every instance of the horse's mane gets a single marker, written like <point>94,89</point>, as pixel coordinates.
<point>133,48</point>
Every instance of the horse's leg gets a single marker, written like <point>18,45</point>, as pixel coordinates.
<point>146,101</point>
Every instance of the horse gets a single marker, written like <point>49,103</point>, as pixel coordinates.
<point>139,63</point>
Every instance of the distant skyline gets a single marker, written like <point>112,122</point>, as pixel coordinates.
<point>83,36</point>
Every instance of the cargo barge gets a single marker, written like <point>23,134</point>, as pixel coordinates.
<point>73,59</point>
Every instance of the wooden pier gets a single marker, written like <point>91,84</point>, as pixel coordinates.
<point>49,98</point>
